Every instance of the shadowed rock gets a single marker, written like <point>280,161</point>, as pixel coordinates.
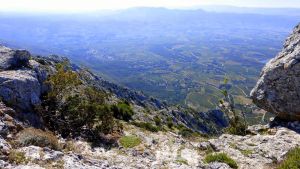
<point>12,59</point>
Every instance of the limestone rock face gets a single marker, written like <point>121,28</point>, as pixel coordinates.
<point>278,89</point>
<point>11,59</point>
<point>20,88</point>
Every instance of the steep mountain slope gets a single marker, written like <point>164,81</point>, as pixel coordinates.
<point>87,122</point>
<point>23,86</point>
<point>175,55</point>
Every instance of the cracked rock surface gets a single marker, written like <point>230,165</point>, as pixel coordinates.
<point>277,89</point>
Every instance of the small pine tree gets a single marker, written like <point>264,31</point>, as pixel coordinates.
<point>237,121</point>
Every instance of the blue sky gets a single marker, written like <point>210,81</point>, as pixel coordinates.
<point>91,5</point>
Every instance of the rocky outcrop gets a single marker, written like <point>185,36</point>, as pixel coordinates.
<point>20,88</point>
<point>261,150</point>
<point>19,85</point>
<point>278,89</point>
<point>13,59</point>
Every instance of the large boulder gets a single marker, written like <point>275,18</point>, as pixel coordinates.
<point>13,59</point>
<point>20,88</point>
<point>278,88</point>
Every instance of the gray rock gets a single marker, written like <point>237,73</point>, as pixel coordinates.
<point>12,59</point>
<point>257,151</point>
<point>217,165</point>
<point>277,90</point>
<point>4,146</point>
<point>204,145</point>
<point>20,88</point>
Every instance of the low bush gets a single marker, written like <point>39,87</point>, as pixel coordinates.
<point>16,157</point>
<point>186,132</point>
<point>292,160</point>
<point>221,157</point>
<point>147,126</point>
<point>170,123</point>
<point>37,137</point>
<point>130,141</point>
<point>75,109</point>
<point>157,120</point>
<point>122,111</point>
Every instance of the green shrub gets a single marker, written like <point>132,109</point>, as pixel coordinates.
<point>147,126</point>
<point>37,137</point>
<point>122,111</point>
<point>80,112</point>
<point>292,160</point>
<point>185,132</point>
<point>157,120</point>
<point>74,109</point>
<point>221,157</point>
<point>170,123</point>
<point>62,81</point>
<point>16,157</point>
<point>130,141</point>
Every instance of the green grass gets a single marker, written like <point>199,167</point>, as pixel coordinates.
<point>246,152</point>
<point>182,161</point>
<point>221,157</point>
<point>292,160</point>
<point>130,141</point>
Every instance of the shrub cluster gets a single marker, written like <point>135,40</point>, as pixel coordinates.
<point>122,111</point>
<point>37,137</point>
<point>73,109</point>
<point>170,123</point>
<point>147,126</point>
<point>16,157</point>
<point>157,120</point>
<point>186,132</point>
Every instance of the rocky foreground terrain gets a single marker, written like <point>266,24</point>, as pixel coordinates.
<point>151,134</point>
<point>263,148</point>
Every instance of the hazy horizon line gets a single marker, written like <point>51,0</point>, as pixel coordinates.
<point>197,7</point>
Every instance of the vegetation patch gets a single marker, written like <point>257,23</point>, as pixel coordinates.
<point>157,120</point>
<point>37,137</point>
<point>246,152</point>
<point>74,109</point>
<point>237,119</point>
<point>181,160</point>
<point>147,126</point>
<point>122,111</point>
<point>222,158</point>
<point>170,123</point>
<point>130,141</point>
<point>292,160</point>
<point>16,157</point>
<point>186,132</point>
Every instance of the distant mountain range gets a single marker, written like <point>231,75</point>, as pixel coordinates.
<point>251,10</point>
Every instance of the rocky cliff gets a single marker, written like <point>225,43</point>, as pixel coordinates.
<point>278,88</point>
